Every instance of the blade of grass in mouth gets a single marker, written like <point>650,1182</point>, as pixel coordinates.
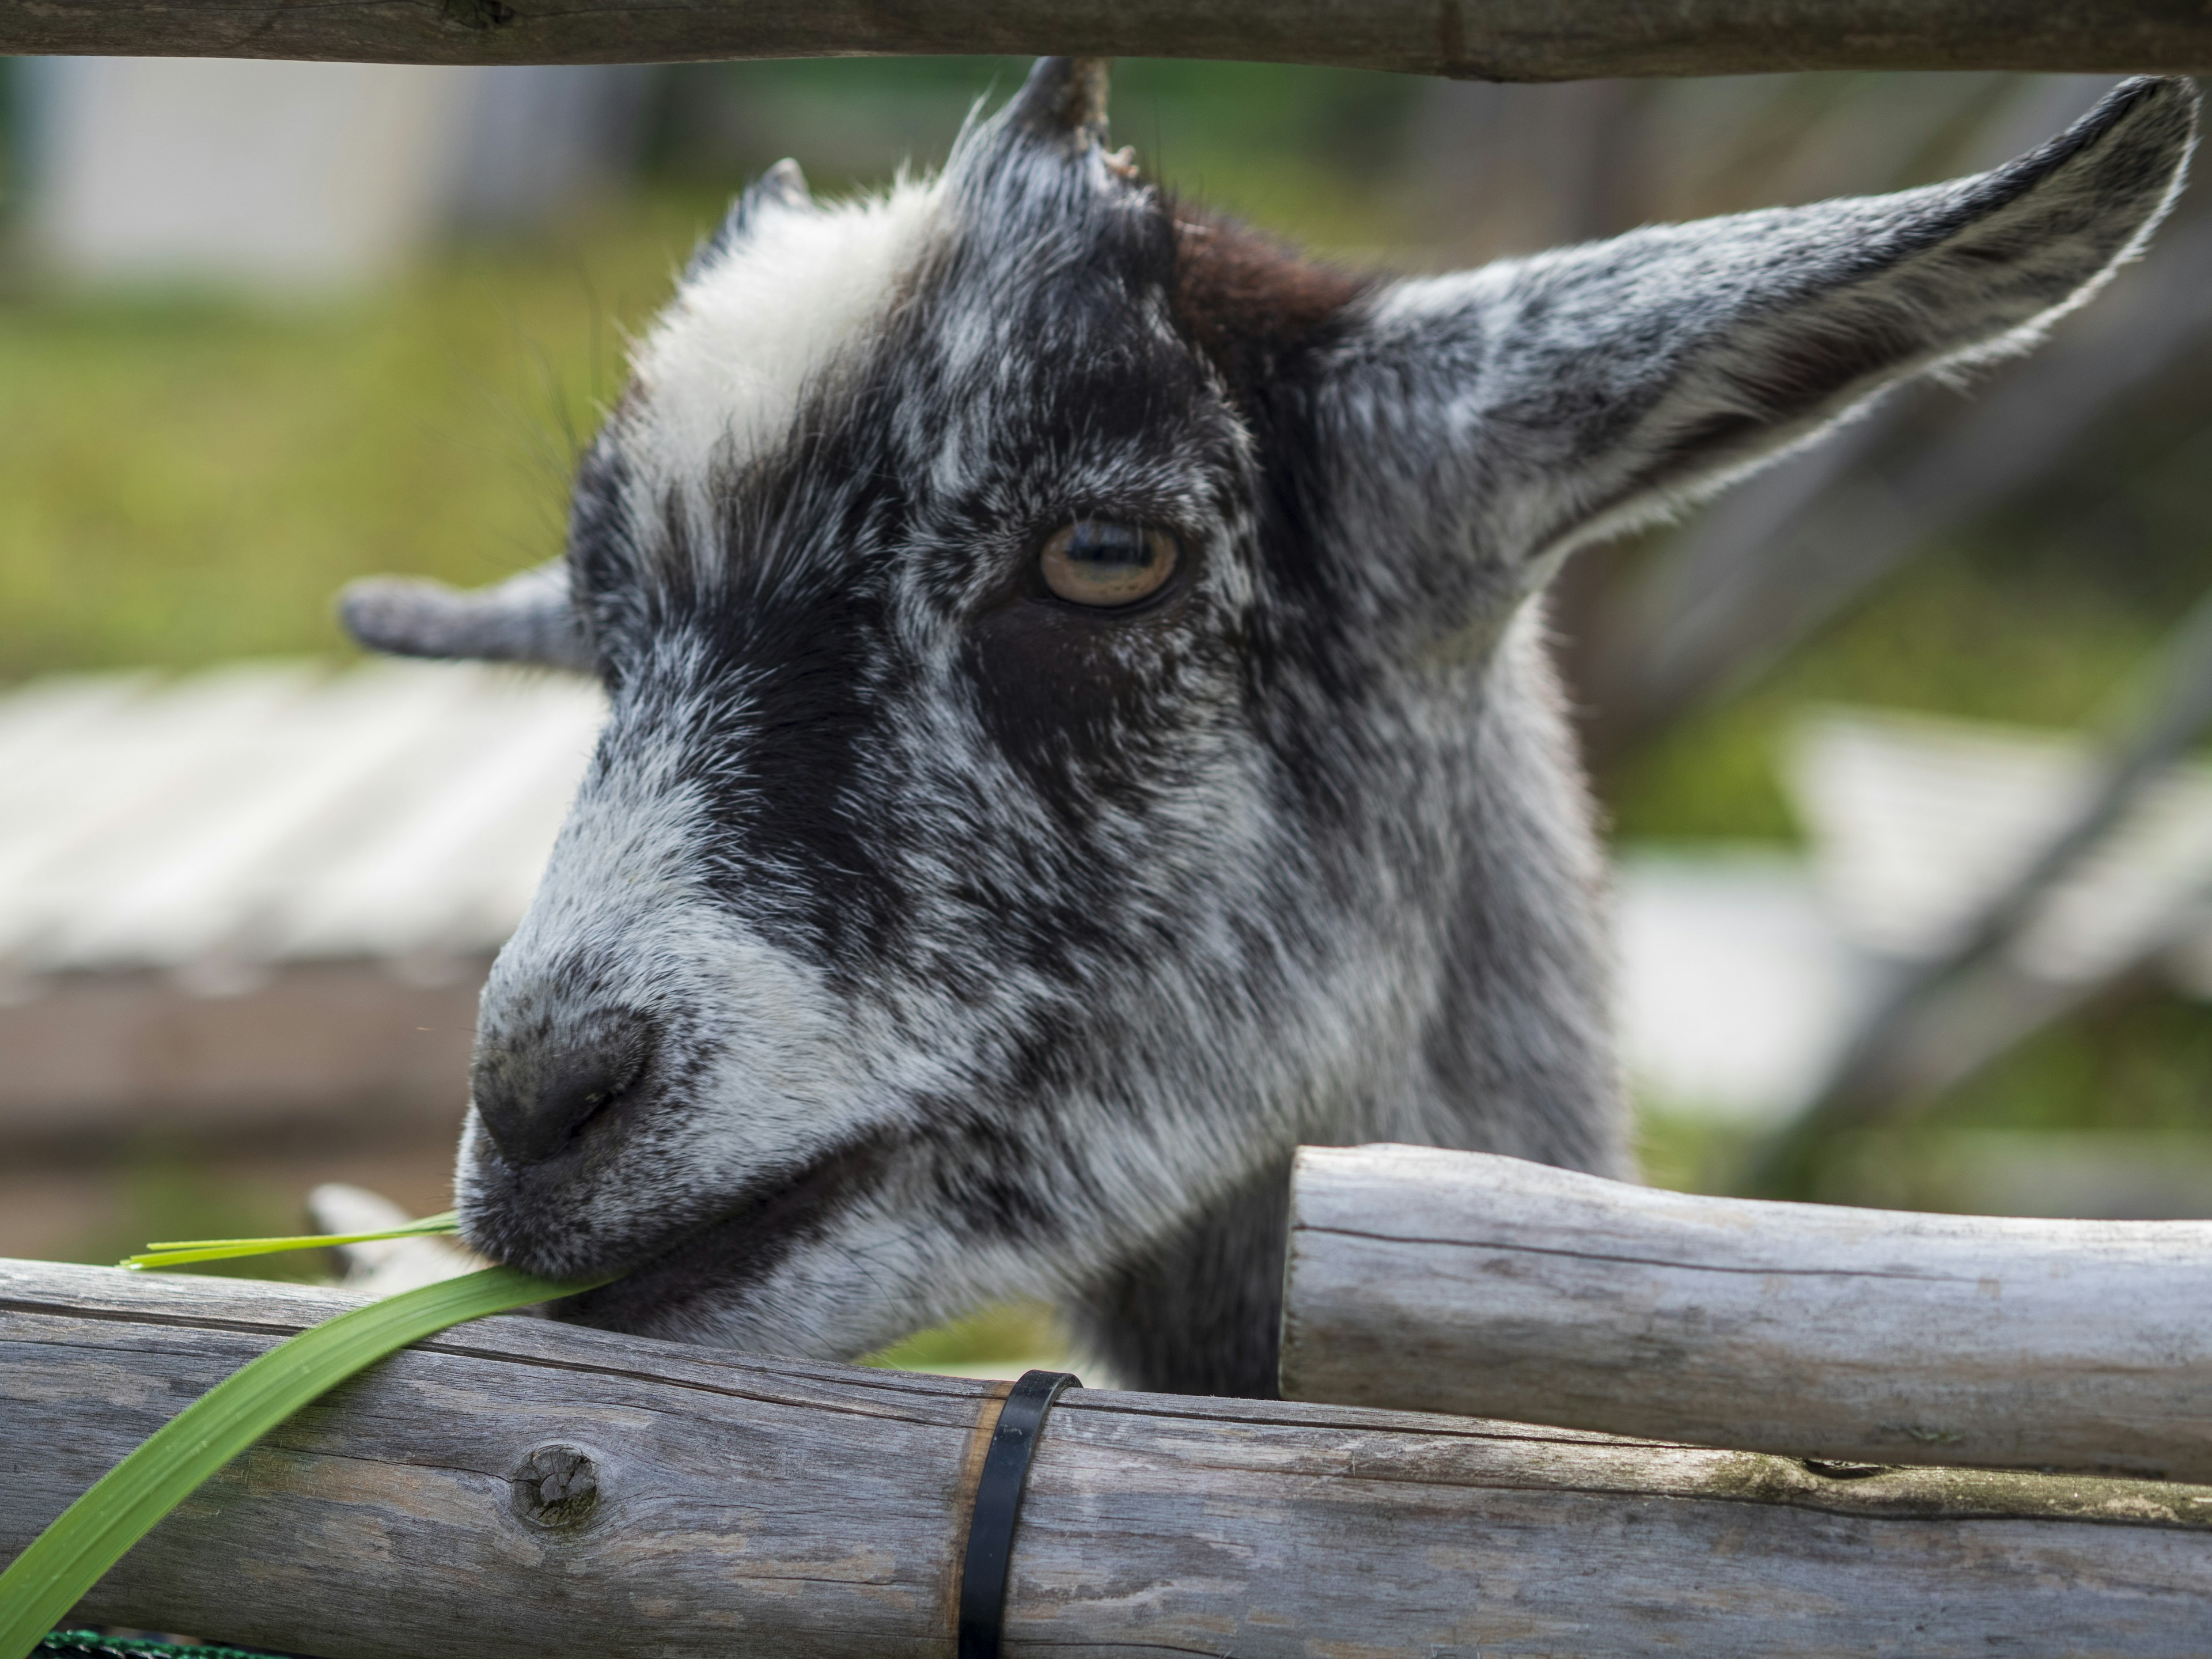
<point>181,1252</point>
<point>68,1559</point>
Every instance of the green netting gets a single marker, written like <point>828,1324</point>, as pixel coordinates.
<point>93,1644</point>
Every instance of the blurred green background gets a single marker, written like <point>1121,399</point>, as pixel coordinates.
<point>187,477</point>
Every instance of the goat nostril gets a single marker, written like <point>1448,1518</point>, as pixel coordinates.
<point>534,1104</point>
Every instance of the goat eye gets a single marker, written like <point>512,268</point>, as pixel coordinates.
<point>1100,563</point>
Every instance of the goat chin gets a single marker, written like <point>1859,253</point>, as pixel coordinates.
<point>921,933</point>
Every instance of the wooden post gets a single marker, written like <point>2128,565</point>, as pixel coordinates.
<point>515,1487</point>
<point>1461,1282</point>
<point>1487,39</point>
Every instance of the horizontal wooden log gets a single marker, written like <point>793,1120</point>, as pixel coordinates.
<point>515,1487</point>
<point>326,1046</point>
<point>1490,39</point>
<point>1461,1282</point>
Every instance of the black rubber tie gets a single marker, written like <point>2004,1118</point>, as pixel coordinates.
<point>998,1506</point>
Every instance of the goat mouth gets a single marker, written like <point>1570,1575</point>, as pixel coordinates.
<point>680,1289</point>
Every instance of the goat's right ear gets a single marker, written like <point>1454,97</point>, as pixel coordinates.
<point>1518,411</point>
<point>526,619</point>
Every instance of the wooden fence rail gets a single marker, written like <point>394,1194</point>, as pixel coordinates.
<point>1490,40</point>
<point>1458,1281</point>
<point>516,1488</point>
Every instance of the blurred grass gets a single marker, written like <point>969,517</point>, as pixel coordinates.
<point>1961,631</point>
<point>1318,153</point>
<point>166,1189</point>
<point>1010,1331</point>
<point>187,480</point>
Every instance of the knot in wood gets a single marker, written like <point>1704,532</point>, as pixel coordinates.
<point>556,1487</point>
<point>478,14</point>
<point>1832,1469</point>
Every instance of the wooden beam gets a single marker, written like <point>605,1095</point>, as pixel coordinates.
<point>1487,39</point>
<point>329,1046</point>
<point>1461,1282</point>
<point>515,1487</point>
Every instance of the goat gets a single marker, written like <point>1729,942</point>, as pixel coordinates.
<point>1081,724</point>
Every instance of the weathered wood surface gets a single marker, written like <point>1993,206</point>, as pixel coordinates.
<point>745,1506</point>
<point>1492,40</point>
<point>1461,1282</point>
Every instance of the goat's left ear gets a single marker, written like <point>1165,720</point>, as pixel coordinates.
<point>1525,408</point>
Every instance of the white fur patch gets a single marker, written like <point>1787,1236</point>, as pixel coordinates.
<point>722,373</point>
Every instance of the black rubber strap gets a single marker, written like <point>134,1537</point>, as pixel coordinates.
<point>998,1506</point>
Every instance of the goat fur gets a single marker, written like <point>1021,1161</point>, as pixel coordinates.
<point>917,937</point>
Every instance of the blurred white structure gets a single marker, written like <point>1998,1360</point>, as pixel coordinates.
<point>268,891</point>
<point>219,825</point>
<point>285,176</point>
<point>1737,988</point>
<point>1744,973</point>
<point>1917,823</point>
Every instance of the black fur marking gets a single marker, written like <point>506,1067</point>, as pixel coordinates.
<point>1256,308</point>
<point>807,663</point>
<point>603,559</point>
<point>986,1173</point>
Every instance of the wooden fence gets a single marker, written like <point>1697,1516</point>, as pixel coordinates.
<point>1488,39</point>
<point>517,1486</point>
<point>1460,1282</point>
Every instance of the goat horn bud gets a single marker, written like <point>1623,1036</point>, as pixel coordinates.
<point>1065,95</point>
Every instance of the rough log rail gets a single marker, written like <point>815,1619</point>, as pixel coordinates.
<point>517,1486</point>
<point>1461,1282</point>
<point>1487,39</point>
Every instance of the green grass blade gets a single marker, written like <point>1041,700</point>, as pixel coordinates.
<point>67,1559</point>
<point>445,1222</point>
<point>177,1252</point>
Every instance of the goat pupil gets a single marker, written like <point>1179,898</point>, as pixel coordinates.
<point>1103,562</point>
<point>1107,544</point>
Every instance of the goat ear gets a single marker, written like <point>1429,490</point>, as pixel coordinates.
<point>1554,400</point>
<point>781,188</point>
<point>526,619</point>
